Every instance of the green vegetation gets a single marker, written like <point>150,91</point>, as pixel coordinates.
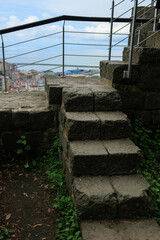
<point>149,143</point>
<point>5,234</point>
<point>67,223</point>
<point>23,150</point>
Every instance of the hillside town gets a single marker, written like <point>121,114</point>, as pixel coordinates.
<point>31,80</point>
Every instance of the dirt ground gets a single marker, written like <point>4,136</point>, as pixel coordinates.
<point>26,205</point>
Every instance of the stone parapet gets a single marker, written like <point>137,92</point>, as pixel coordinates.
<point>26,114</point>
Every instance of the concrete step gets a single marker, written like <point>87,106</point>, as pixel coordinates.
<point>88,99</point>
<point>112,197</point>
<point>93,126</point>
<point>103,158</point>
<point>120,230</point>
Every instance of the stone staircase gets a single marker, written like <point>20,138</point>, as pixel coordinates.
<point>101,162</point>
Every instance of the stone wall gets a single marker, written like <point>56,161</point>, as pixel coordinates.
<point>141,93</point>
<point>39,125</point>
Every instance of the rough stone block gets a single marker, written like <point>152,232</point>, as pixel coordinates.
<point>55,94</point>
<point>49,135</point>
<point>94,196</point>
<point>114,125</point>
<point>132,97</point>
<point>149,76</point>
<point>153,40</point>
<point>145,116</point>
<point>82,126</point>
<point>9,140</point>
<point>145,229</point>
<point>5,120</point>
<point>100,230</point>
<point>69,178</point>
<point>124,156</point>
<point>64,142</point>
<point>152,101</point>
<point>106,99</point>
<point>62,118</point>
<point>134,197</point>
<point>117,230</point>
<point>21,120</point>
<point>156,118</point>
<point>34,139</point>
<point>113,71</point>
<point>77,99</point>
<point>41,120</point>
<point>88,158</point>
<point>149,56</point>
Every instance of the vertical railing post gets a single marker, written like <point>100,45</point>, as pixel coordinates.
<point>4,67</point>
<point>127,74</point>
<point>139,37</point>
<point>155,19</point>
<point>63,49</point>
<point>111,31</point>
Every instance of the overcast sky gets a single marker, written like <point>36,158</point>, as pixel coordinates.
<point>17,12</point>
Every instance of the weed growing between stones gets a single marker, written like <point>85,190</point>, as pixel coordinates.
<point>149,143</point>
<point>23,150</point>
<point>67,223</point>
<point>5,234</point>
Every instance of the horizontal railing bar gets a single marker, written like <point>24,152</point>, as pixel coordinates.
<point>147,38</point>
<point>41,60</point>
<point>99,45</point>
<point>29,40</point>
<point>127,11</point>
<point>145,24</point>
<point>67,18</point>
<point>52,68</point>
<point>81,55</point>
<point>89,44</point>
<point>95,33</point>
<point>119,42</point>
<point>131,18</point>
<point>50,64</point>
<point>37,50</point>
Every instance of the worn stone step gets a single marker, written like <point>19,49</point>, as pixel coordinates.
<point>91,126</point>
<point>111,197</point>
<point>120,230</point>
<point>88,158</point>
<point>114,125</point>
<point>103,158</point>
<point>111,72</point>
<point>88,99</point>
<point>147,56</point>
<point>54,86</point>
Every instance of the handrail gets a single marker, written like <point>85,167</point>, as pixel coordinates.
<point>68,18</point>
<point>37,50</point>
<point>32,39</point>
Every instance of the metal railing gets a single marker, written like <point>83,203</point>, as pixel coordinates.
<point>62,43</point>
<point>127,74</point>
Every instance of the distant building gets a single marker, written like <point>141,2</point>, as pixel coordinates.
<point>9,67</point>
<point>2,83</point>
